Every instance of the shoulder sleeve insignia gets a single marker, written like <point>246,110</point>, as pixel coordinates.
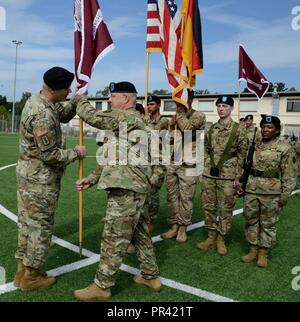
<point>41,132</point>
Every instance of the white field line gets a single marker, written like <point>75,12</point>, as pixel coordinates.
<point>9,287</point>
<point>8,166</point>
<point>93,258</point>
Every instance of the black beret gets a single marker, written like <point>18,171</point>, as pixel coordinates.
<point>242,119</point>
<point>225,100</point>
<point>270,119</point>
<point>153,98</point>
<point>249,117</point>
<point>122,87</point>
<point>58,78</point>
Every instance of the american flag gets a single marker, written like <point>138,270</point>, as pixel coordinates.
<point>170,29</point>
<point>92,40</point>
<point>153,35</point>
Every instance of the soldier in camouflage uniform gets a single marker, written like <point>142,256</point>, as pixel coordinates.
<point>271,181</point>
<point>156,122</point>
<point>127,188</point>
<point>296,146</point>
<point>225,148</point>
<point>40,167</point>
<point>180,185</point>
<point>250,128</point>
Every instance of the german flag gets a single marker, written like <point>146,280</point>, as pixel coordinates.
<point>192,51</point>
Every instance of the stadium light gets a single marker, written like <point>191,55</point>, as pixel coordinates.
<point>17,43</point>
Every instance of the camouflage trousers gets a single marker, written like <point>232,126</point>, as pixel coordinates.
<point>180,194</point>
<point>125,222</point>
<point>218,200</point>
<point>153,201</point>
<point>36,206</point>
<point>261,213</point>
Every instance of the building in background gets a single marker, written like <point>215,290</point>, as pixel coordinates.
<point>285,104</point>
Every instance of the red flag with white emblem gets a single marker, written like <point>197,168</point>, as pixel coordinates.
<point>256,81</point>
<point>92,40</point>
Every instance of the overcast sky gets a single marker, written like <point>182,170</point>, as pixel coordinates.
<point>45,27</point>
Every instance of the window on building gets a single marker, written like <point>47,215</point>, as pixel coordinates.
<point>169,106</point>
<point>293,106</point>
<point>99,106</point>
<point>206,106</point>
<point>248,105</point>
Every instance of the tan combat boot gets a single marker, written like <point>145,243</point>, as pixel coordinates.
<point>171,233</point>
<point>131,249</point>
<point>154,284</point>
<point>221,248</point>
<point>181,235</point>
<point>251,256</point>
<point>19,273</point>
<point>34,279</point>
<point>262,257</point>
<point>93,293</point>
<point>210,242</point>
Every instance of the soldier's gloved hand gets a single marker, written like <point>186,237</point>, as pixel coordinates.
<point>81,150</point>
<point>282,202</point>
<point>82,184</point>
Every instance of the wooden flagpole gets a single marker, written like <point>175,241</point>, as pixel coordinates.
<point>239,101</point>
<point>80,192</point>
<point>147,82</point>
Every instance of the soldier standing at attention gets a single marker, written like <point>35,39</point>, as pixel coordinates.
<point>42,162</point>
<point>127,187</point>
<point>271,181</point>
<point>156,122</point>
<point>225,148</point>
<point>181,186</point>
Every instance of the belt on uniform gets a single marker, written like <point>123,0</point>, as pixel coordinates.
<point>265,174</point>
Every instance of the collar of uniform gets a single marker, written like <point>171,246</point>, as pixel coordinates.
<point>271,143</point>
<point>228,127</point>
<point>47,103</point>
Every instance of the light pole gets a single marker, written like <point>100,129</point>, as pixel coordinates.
<point>17,43</point>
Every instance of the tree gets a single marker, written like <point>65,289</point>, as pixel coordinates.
<point>280,87</point>
<point>20,105</point>
<point>202,91</point>
<point>103,92</point>
<point>160,92</point>
<point>3,112</point>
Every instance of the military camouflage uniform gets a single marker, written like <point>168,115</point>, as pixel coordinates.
<point>296,146</point>
<point>217,192</point>
<point>158,123</point>
<point>181,186</point>
<point>127,188</point>
<point>272,178</point>
<point>40,167</point>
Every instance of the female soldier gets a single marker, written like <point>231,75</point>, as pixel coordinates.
<point>270,183</point>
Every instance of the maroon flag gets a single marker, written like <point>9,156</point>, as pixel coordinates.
<point>256,81</point>
<point>92,40</point>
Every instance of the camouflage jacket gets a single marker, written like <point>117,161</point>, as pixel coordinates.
<point>191,121</point>
<point>43,156</point>
<point>232,168</point>
<point>158,123</point>
<point>278,157</point>
<point>125,176</point>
